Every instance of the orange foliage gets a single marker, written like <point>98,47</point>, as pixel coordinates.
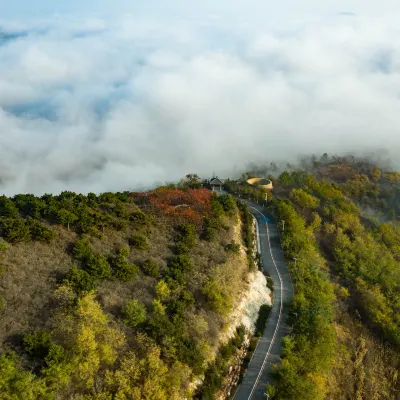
<point>191,204</point>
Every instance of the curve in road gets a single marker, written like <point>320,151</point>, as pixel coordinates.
<point>268,349</point>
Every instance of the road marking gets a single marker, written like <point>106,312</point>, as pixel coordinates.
<point>280,311</point>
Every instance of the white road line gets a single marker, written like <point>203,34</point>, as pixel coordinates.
<point>280,311</point>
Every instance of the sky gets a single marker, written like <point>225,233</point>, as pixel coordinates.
<point>103,96</point>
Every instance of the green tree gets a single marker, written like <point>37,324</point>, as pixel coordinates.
<point>151,268</point>
<point>162,290</point>
<point>284,178</point>
<point>121,268</point>
<point>15,230</point>
<point>80,281</point>
<point>66,217</point>
<point>8,208</point>
<point>98,266</point>
<point>135,313</point>
<point>39,231</point>
<point>139,242</point>
<point>82,250</point>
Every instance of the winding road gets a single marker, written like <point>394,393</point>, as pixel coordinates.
<point>268,350</point>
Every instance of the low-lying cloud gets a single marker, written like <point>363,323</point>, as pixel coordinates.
<point>129,103</point>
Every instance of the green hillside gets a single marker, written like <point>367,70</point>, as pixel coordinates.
<point>341,236</point>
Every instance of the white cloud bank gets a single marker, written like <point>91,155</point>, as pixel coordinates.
<point>128,102</point>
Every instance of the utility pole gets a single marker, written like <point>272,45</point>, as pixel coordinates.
<point>283,225</point>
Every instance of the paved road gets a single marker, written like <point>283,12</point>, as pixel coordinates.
<point>269,347</point>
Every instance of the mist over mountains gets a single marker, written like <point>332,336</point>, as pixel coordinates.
<point>97,104</point>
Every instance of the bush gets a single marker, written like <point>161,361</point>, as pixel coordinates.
<point>135,313</point>
<point>98,266</point>
<point>140,219</point>
<point>122,270</point>
<point>119,224</point>
<point>181,248</point>
<point>3,246</point>
<point>187,234</point>
<point>233,247</point>
<point>80,281</point>
<point>139,242</point>
<point>8,208</point>
<point>15,230</point>
<point>227,202</point>
<point>82,250</point>
<point>262,319</point>
<point>37,344</point>
<point>151,268</point>
<point>3,303</point>
<point>40,232</point>
<point>211,226</point>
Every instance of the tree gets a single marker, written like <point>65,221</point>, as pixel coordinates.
<point>80,281</point>
<point>151,268</point>
<point>139,242</point>
<point>39,231</point>
<point>82,250</point>
<point>8,208</point>
<point>162,290</point>
<point>121,268</point>
<point>15,230</point>
<point>98,266</point>
<point>66,217</point>
<point>284,178</point>
<point>376,174</point>
<point>303,199</point>
<point>135,313</point>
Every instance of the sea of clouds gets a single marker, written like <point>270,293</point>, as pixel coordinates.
<point>97,103</point>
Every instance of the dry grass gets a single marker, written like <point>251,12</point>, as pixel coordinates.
<point>31,272</point>
<point>363,368</point>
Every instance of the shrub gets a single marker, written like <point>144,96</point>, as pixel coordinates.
<point>211,225</point>
<point>263,315</point>
<point>140,219</point>
<point>139,242</point>
<point>182,263</point>
<point>40,232</point>
<point>3,303</point>
<point>151,268</point>
<point>233,247</point>
<point>3,246</point>
<point>119,224</point>
<point>8,208</point>
<point>98,266</point>
<point>162,290</point>
<point>79,280</point>
<point>82,250</point>
<point>187,234</point>
<point>37,344</point>
<point>15,230</point>
<point>181,248</point>
<point>135,313</point>
<point>227,202</point>
<point>122,270</point>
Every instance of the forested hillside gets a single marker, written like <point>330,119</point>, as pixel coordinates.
<point>341,235</point>
<point>118,295</point>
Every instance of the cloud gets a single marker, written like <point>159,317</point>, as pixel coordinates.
<point>131,102</point>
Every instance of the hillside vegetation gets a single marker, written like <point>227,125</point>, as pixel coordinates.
<point>341,238</point>
<point>118,295</point>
